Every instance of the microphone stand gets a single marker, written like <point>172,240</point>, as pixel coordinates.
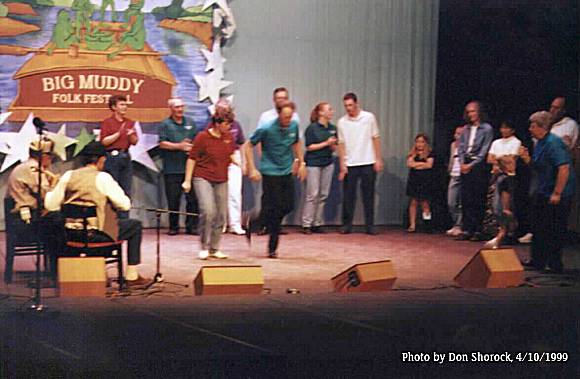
<point>37,305</point>
<point>158,278</point>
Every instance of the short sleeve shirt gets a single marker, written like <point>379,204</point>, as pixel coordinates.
<point>357,136</point>
<point>111,126</point>
<point>317,133</point>
<point>212,156</point>
<point>277,154</point>
<point>170,131</point>
<point>549,154</point>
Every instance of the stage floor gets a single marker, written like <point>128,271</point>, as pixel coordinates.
<point>168,332</point>
<point>307,262</point>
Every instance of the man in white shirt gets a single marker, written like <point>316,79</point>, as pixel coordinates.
<point>91,186</point>
<point>359,149</point>
<point>280,96</point>
<point>564,127</point>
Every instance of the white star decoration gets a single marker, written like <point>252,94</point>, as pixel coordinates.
<point>223,4</point>
<point>61,142</point>
<point>4,148</point>
<point>215,61</point>
<point>4,116</point>
<point>19,143</point>
<point>139,152</point>
<point>210,86</point>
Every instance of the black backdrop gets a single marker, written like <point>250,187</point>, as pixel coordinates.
<point>513,55</point>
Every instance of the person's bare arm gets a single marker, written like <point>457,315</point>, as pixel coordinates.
<point>378,166</point>
<point>561,180</point>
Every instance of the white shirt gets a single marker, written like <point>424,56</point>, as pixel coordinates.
<point>472,133</point>
<point>357,136</point>
<point>104,183</point>
<point>566,127</point>
<point>505,146</point>
<point>455,166</point>
<point>269,116</point>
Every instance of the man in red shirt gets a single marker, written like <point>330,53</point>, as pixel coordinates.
<point>117,135</point>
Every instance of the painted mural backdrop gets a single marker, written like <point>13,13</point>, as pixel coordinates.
<point>63,59</point>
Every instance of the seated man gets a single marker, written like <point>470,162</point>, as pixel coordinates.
<point>23,189</point>
<point>90,186</point>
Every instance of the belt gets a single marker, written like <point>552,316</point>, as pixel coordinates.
<point>116,152</point>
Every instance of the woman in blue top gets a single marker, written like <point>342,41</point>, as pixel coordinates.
<point>320,139</point>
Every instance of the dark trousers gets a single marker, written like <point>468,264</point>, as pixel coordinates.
<point>121,169</point>
<point>278,201</point>
<point>130,230</point>
<point>173,192</point>
<point>367,176</point>
<point>474,186</point>
<point>550,226</point>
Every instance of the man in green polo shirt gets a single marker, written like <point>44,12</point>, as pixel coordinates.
<point>176,135</point>
<point>281,157</point>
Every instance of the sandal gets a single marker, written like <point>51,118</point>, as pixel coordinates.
<point>411,230</point>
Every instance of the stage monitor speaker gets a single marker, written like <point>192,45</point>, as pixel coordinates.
<point>492,268</point>
<point>371,276</point>
<point>229,280</point>
<point>82,277</point>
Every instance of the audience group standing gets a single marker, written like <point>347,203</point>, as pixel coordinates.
<point>477,162</point>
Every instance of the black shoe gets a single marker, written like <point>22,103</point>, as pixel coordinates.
<point>262,232</point>
<point>317,229</point>
<point>273,255</point>
<point>283,232</point>
<point>307,230</point>
<point>532,266</point>
<point>192,232</point>
<point>554,270</point>
<point>477,237</point>
<point>173,232</point>
<point>346,230</point>
<point>371,231</point>
<point>463,237</point>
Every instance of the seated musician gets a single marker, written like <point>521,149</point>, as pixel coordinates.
<point>91,186</point>
<point>23,189</point>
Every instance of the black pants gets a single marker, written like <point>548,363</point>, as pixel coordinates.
<point>173,192</point>
<point>278,201</point>
<point>130,230</point>
<point>367,176</point>
<point>474,186</point>
<point>550,226</point>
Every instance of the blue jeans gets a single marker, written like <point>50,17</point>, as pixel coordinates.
<point>454,200</point>
<point>121,169</point>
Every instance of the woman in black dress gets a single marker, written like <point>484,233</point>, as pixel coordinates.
<point>420,182</point>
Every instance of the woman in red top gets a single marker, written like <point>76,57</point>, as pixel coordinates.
<point>208,163</point>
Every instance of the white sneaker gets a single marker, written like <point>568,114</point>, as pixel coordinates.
<point>218,255</point>
<point>526,239</point>
<point>454,232</point>
<point>237,230</point>
<point>203,254</point>
<point>491,244</point>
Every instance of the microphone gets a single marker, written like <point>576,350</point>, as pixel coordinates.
<point>39,124</point>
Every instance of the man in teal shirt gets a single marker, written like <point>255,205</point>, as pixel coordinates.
<point>281,157</point>
<point>176,135</point>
